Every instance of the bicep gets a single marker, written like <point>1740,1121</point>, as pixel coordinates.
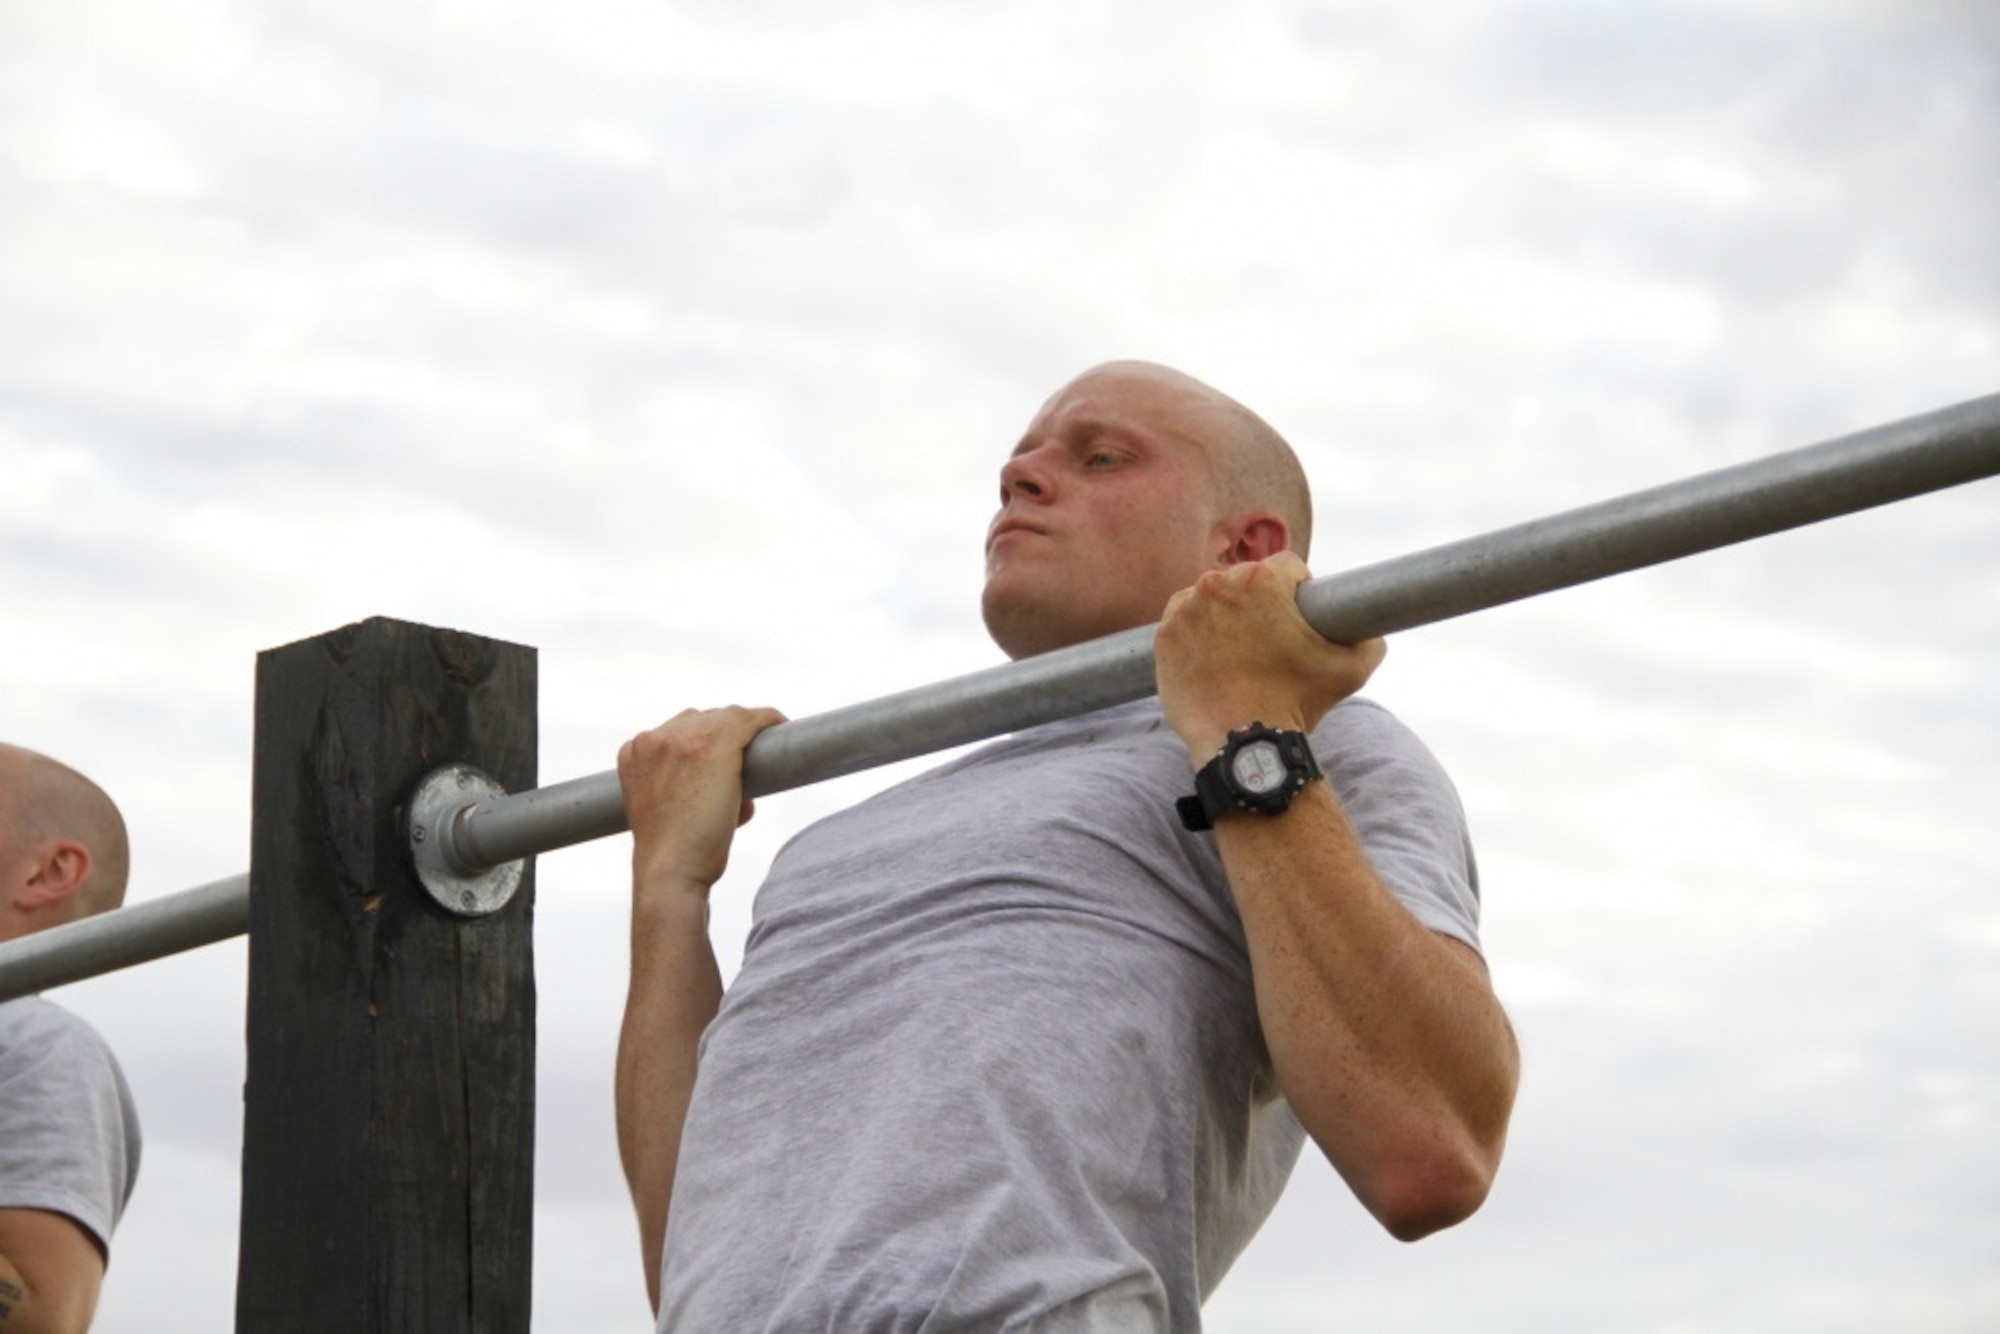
<point>55,1264</point>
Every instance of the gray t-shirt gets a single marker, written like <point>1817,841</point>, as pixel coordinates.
<point>992,1060</point>
<point>69,1134</point>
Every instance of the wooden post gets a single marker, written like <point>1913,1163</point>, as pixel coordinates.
<point>388,1127</point>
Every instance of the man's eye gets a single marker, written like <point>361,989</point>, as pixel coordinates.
<point>1099,459</point>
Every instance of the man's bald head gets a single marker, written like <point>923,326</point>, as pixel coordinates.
<point>1251,465</point>
<point>43,801</point>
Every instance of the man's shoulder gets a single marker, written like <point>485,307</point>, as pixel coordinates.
<point>30,1019</point>
<point>1362,713</point>
<point>34,1032</point>
<point>1360,723</point>
<point>37,1015</point>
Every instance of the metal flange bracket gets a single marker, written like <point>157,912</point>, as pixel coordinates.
<point>440,801</point>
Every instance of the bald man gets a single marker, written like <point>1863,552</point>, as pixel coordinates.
<point>1033,1040</point>
<point>69,1134</point>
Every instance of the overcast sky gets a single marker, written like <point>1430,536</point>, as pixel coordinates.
<point>683,342</point>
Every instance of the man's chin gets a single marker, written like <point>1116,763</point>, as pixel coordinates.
<point>1014,626</point>
<point>1027,632</point>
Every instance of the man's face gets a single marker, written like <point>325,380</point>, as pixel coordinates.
<point>1107,509</point>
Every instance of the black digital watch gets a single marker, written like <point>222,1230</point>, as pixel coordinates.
<point>1259,769</point>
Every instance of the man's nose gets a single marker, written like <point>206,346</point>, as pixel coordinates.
<point>1025,474</point>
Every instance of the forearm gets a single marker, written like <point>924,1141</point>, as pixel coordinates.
<point>1385,1036</point>
<point>675,991</point>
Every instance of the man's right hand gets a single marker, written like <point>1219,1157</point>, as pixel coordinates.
<point>683,786</point>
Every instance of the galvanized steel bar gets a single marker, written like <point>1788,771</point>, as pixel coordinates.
<point>139,933</point>
<point>1870,468</point>
<point>1875,467</point>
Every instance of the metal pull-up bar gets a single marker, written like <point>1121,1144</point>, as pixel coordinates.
<point>1861,471</point>
<point>468,838</point>
<point>139,933</point>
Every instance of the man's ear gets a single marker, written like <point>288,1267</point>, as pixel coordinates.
<point>1254,536</point>
<point>55,872</point>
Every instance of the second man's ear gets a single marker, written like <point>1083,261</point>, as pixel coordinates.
<point>56,871</point>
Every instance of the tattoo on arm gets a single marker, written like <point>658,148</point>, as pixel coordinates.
<point>10,1297</point>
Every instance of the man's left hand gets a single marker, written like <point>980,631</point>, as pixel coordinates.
<point>1234,649</point>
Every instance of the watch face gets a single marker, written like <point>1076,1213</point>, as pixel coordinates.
<point>1258,768</point>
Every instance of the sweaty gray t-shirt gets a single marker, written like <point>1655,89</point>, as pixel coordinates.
<point>992,1060</point>
<point>69,1136</point>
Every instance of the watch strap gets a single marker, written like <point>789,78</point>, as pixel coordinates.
<point>1194,814</point>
